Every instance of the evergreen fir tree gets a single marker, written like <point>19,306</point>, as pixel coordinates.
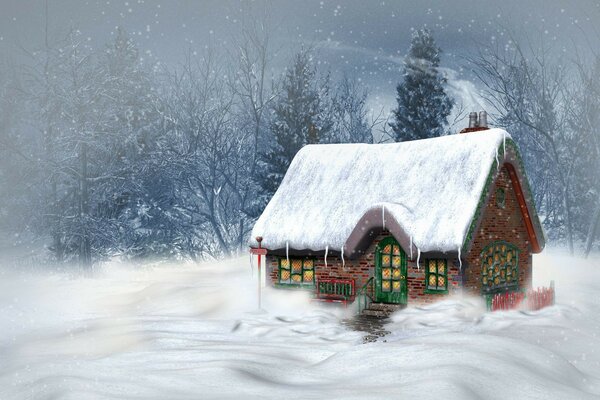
<point>297,120</point>
<point>423,105</point>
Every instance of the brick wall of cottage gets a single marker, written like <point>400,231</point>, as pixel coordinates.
<point>499,224</point>
<point>363,268</point>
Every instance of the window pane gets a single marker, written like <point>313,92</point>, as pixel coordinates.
<point>441,282</point>
<point>441,267</point>
<point>432,266</point>
<point>386,273</point>
<point>308,264</point>
<point>387,249</point>
<point>396,286</point>
<point>296,265</point>
<point>285,263</point>
<point>285,275</point>
<point>396,250</point>
<point>308,276</point>
<point>396,273</point>
<point>385,286</point>
<point>385,260</point>
<point>396,260</point>
<point>432,280</point>
<point>296,278</point>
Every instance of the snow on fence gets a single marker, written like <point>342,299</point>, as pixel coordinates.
<point>531,300</point>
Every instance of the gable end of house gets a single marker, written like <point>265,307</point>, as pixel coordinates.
<point>510,158</point>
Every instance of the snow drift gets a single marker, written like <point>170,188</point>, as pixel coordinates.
<point>188,331</point>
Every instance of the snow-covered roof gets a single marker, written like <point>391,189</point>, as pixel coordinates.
<point>431,188</point>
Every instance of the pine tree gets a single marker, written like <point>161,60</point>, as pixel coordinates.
<point>423,105</point>
<point>297,121</point>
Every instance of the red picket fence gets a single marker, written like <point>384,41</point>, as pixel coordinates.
<point>540,298</point>
<point>507,301</point>
<point>531,300</point>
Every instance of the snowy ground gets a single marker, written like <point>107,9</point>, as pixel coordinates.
<point>192,332</point>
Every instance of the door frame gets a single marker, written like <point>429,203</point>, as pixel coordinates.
<point>400,297</point>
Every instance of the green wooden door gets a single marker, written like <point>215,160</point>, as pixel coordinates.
<point>390,272</point>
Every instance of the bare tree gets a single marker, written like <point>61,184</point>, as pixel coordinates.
<point>202,144</point>
<point>255,88</point>
<point>350,114</point>
<point>584,111</point>
<point>529,93</point>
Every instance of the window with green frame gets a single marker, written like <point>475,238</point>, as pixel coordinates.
<point>436,275</point>
<point>296,271</point>
<point>500,198</point>
<point>500,267</point>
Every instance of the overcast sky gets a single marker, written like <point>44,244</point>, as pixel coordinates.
<point>366,39</point>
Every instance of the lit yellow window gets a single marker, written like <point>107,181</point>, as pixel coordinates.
<point>500,268</point>
<point>437,275</point>
<point>296,271</point>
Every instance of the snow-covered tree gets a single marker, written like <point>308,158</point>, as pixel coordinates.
<point>298,119</point>
<point>123,192</point>
<point>423,104</point>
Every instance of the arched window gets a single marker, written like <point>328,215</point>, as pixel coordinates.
<point>500,268</point>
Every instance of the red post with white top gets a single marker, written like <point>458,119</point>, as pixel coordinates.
<point>259,252</point>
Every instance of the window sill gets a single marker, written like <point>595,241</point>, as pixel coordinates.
<point>297,286</point>
<point>435,291</point>
<point>503,289</point>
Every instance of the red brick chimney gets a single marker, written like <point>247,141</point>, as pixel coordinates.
<point>476,124</point>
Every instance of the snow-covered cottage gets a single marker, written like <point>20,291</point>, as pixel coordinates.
<point>404,222</point>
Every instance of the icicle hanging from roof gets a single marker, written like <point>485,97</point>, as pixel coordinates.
<point>497,162</point>
<point>326,251</point>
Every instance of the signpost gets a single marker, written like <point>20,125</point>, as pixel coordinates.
<point>259,252</point>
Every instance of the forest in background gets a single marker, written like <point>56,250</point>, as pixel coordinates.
<point>103,154</point>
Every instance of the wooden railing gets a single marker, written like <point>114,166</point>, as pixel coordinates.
<point>335,290</point>
<point>364,296</point>
<point>531,300</point>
